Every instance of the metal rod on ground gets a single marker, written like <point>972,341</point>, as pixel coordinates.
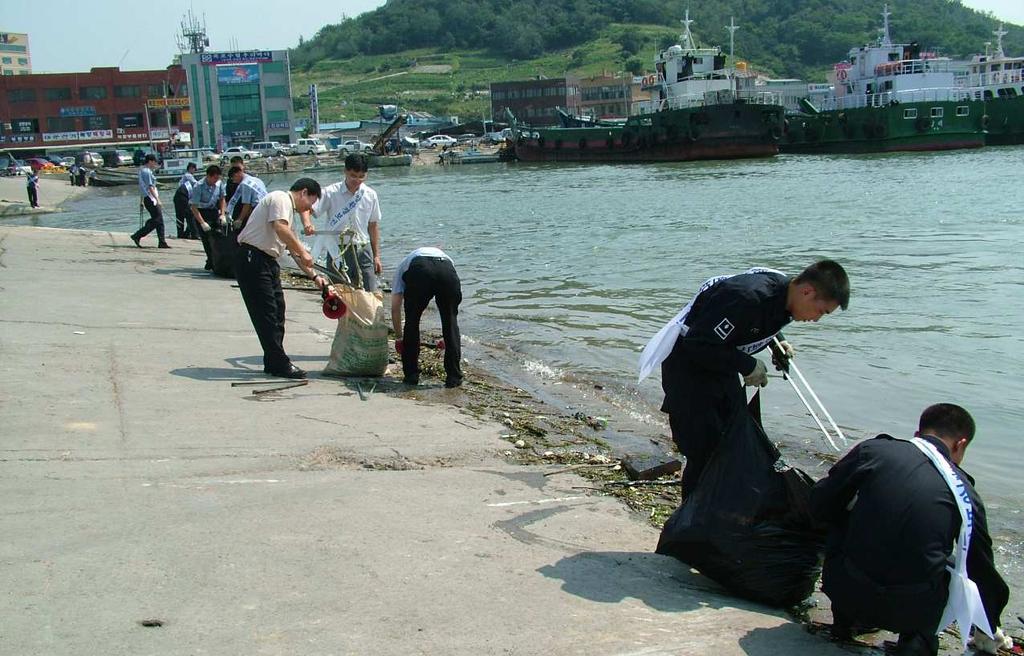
<point>810,410</point>
<point>298,383</point>
<point>814,396</point>
<point>279,381</point>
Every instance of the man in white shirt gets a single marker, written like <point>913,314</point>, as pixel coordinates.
<point>151,201</point>
<point>351,209</point>
<point>424,274</point>
<point>263,239</point>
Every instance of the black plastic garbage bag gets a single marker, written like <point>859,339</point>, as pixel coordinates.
<point>747,525</point>
<point>224,246</point>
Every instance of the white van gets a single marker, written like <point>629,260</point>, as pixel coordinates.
<point>268,148</point>
<point>308,147</point>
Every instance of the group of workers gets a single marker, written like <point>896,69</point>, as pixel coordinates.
<point>257,226</point>
<point>906,527</point>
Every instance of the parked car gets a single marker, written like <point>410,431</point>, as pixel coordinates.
<point>467,138</point>
<point>308,147</point>
<point>438,140</point>
<point>115,158</point>
<point>140,154</point>
<point>18,167</point>
<point>56,160</point>
<point>38,163</point>
<point>238,151</point>
<point>498,137</point>
<point>268,148</point>
<point>67,161</point>
<point>356,146</point>
<point>89,159</point>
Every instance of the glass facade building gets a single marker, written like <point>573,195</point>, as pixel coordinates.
<point>238,98</point>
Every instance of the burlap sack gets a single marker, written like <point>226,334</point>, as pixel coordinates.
<point>361,341</point>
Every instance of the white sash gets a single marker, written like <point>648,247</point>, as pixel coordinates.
<point>660,346</point>
<point>330,244</point>
<point>964,605</point>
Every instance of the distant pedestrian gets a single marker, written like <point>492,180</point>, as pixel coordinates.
<point>151,201</point>
<point>427,273</point>
<point>73,173</point>
<point>264,238</point>
<point>182,213</point>
<point>32,185</point>
<point>351,207</point>
<point>82,172</point>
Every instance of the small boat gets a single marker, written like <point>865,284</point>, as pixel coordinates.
<point>888,97</point>
<point>471,156</point>
<point>699,109</point>
<point>998,80</point>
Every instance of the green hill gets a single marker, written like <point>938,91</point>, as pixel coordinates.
<point>440,55</point>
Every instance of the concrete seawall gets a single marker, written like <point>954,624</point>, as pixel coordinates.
<point>137,484</point>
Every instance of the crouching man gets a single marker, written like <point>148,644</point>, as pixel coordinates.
<point>424,274</point>
<point>900,511</point>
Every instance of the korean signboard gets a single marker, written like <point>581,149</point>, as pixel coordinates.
<point>160,103</point>
<point>84,110</point>
<point>246,57</point>
<point>85,135</point>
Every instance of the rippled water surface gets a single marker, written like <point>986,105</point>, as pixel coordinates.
<point>573,268</point>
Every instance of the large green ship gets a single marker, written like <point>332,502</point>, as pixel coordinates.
<point>998,80</point>
<point>889,97</point>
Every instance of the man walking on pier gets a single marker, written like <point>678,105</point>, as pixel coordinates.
<point>710,345</point>
<point>151,201</point>
<point>424,274</point>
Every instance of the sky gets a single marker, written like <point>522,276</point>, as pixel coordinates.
<point>71,35</point>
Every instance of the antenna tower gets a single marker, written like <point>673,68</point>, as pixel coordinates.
<point>192,37</point>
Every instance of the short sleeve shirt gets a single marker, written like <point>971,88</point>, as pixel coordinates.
<point>259,230</point>
<point>398,284</point>
<point>146,180</point>
<point>336,197</point>
<point>206,196</point>
<point>250,191</point>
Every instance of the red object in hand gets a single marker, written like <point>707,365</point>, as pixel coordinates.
<point>440,344</point>
<point>398,346</point>
<point>334,307</point>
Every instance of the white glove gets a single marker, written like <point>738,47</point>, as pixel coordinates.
<point>787,349</point>
<point>758,377</point>
<point>206,227</point>
<point>986,645</point>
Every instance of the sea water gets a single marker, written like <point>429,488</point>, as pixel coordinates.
<point>569,269</point>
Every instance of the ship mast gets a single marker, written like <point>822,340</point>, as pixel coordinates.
<point>1000,33</point>
<point>687,36</point>
<point>732,27</point>
<point>886,40</point>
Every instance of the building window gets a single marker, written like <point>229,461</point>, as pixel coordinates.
<point>24,125</point>
<point>936,112</point>
<point>22,61</point>
<point>909,114</point>
<point>20,95</point>
<point>8,60</point>
<point>273,67</point>
<point>96,122</point>
<point>8,72</point>
<point>129,120</point>
<point>183,90</point>
<point>277,115</point>
<point>63,93</point>
<point>156,91</point>
<point>963,110</point>
<point>57,124</point>
<point>277,92</point>
<point>127,91</point>
<point>92,93</point>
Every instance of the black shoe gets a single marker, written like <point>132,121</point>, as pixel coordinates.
<point>136,238</point>
<point>291,372</point>
<point>208,267</point>
<point>164,245</point>
<point>453,382</point>
<point>411,381</point>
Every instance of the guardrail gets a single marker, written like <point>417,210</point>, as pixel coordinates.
<point>942,94</point>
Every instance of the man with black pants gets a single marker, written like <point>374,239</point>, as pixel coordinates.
<point>896,511</point>
<point>151,201</point>
<point>424,274</point>
<point>207,205</point>
<point>265,237</point>
<point>182,213</point>
<point>710,345</point>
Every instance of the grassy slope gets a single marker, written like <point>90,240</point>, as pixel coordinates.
<point>363,82</point>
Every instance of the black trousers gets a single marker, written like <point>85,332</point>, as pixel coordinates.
<point>183,215</point>
<point>427,278</point>
<point>33,197</point>
<point>210,216</point>
<point>156,222</point>
<point>259,280</point>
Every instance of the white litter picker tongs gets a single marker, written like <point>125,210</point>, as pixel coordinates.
<point>787,365</point>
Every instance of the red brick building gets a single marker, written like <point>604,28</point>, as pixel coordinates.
<point>535,101</point>
<point>106,107</point>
